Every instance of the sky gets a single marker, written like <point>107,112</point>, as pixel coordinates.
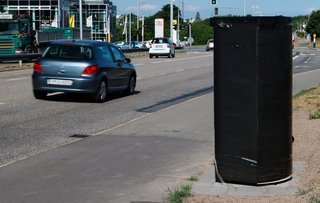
<point>235,7</point>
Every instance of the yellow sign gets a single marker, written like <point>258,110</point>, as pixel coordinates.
<point>175,22</point>
<point>314,35</point>
<point>71,22</point>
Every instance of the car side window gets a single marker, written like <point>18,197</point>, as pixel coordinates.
<point>105,53</point>
<point>118,56</point>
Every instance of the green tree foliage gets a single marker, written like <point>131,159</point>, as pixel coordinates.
<point>198,18</point>
<point>313,26</point>
<point>298,21</point>
<point>201,31</point>
<point>2,2</point>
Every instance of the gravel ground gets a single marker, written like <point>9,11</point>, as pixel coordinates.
<point>305,149</point>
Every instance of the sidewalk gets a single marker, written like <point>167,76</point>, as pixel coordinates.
<point>135,162</point>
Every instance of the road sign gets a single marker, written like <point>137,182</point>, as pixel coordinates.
<point>214,1</point>
<point>190,40</point>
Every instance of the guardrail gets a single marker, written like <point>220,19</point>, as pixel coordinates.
<point>19,57</point>
<point>31,57</point>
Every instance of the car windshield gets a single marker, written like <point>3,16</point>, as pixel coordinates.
<point>159,41</point>
<point>68,52</point>
<point>9,27</point>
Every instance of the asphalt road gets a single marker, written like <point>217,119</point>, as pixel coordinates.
<point>29,126</point>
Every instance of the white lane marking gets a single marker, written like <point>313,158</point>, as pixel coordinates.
<point>16,79</point>
<point>1,103</point>
<point>147,114</point>
<point>309,59</point>
<point>139,64</point>
<point>306,62</point>
<point>179,70</point>
<point>295,57</point>
<point>157,62</point>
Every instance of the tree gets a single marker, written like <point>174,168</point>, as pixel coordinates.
<point>198,18</point>
<point>313,26</point>
<point>201,31</point>
<point>2,3</point>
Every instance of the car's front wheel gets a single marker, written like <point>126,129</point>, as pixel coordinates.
<point>38,94</point>
<point>150,56</point>
<point>101,94</point>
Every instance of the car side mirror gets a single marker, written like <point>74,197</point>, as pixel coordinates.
<point>128,60</point>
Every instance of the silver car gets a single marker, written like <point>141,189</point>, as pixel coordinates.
<point>83,66</point>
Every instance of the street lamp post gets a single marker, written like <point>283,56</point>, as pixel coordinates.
<point>80,13</point>
<point>171,19</point>
<point>138,5</point>
<point>244,7</point>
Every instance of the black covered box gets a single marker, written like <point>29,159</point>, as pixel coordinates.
<point>253,99</point>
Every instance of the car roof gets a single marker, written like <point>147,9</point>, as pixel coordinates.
<point>79,42</point>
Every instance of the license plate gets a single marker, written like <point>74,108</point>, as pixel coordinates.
<point>59,82</point>
<point>158,46</point>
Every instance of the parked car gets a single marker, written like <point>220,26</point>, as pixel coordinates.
<point>210,45</point>
<point>162,47</point>
<point>83,66</point>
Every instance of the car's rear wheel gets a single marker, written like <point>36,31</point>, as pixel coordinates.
<point>101,94</point>
<point>131,85</point>
<point>38,94</point>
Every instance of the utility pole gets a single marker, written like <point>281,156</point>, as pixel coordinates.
<point>80,13</point>
<point>178,29</point>
<point>138,5</point>
<point>171,19</point>
<point>130,21</point>
<point>244,8</point>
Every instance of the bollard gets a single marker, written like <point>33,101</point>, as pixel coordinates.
<point>253,99</point>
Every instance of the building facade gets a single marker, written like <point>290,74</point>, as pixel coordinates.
<point>101,15</point>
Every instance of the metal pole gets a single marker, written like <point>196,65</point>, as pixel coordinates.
<point>178,29</point>
<point>138,20</point>
<point>244,7</point>
<point>142,30</point>
<point>130,30</point>
<point>171,19</point>
<point>80,13</point>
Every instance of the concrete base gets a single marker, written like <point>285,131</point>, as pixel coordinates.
<point>207,185</point>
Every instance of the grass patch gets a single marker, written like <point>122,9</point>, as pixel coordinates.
<point>315,115</point>
<point>315,198</point>
<point>304,191</point>
<point>178,195</point>
<point>303,92</point>
<point>193,178</point>
<point>309,101</point>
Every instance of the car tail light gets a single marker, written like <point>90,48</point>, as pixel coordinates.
<point>37,68</point>
<point>90,70</point>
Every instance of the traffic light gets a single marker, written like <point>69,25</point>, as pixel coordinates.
<point>175,27</point>
<point>214,2</point>
<point>216,11</point>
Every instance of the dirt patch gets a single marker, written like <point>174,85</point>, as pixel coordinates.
<point>305,149</point>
